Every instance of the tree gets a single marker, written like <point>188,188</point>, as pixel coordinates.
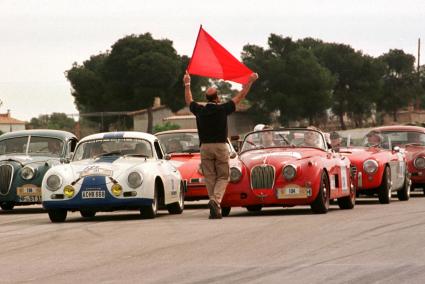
<point>136,70</point>
<point>400,82</point>
<point>293,82</point>
<point>58,121</point>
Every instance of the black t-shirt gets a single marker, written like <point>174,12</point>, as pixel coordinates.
<point>211,120</point>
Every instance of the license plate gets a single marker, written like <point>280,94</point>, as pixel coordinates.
<point>28,190</point>
<point>91,194</point>
<point>291,191</point>
<point>36,199</point>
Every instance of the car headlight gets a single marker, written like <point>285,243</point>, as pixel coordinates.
<point>370,166</point>
<point>116,189</point>
<point>53,182</point>
<point>419,163</point>
<point>69,191</point>
<point>235,174</point>
<point>27,173</point>
<point>289,172</point>
<point>134,179</point>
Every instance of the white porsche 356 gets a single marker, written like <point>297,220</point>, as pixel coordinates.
<point>114,171</point>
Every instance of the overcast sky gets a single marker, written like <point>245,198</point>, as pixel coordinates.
<point>40,39</point>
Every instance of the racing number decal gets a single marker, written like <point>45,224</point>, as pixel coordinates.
<point>344,179</point>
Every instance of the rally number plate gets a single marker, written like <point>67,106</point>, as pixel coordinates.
<point>28,190</point>
<point>92,194</point>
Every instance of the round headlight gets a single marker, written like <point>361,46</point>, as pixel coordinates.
<point>235,174</point>
<point>116,189</point>
<point>53,182</point>
<point>370,166</point>
<point>289,172</point>
<point>27,172</point>
<point>419,163</point>
<point>134,179</point>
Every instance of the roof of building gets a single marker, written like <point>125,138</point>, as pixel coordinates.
<point>5,118</point>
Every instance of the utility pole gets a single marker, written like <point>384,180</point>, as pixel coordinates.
<point>417,100</point>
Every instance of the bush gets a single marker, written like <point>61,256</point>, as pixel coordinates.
<point>164,127</point>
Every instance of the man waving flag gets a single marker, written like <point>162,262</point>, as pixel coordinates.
<point>210,59</point>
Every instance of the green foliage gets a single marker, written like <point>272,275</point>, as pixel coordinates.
<point>58,121</point>
<point>136,70</point>
<point>293,81</point>
<point>164,127</point>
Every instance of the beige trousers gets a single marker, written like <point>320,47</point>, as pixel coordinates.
<point>215,167</point>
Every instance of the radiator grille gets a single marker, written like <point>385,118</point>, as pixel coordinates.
<point>6,175</point>
<point>353,171</point>
<point>262,177</point>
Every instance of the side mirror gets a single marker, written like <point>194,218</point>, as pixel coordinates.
<point>167,157</point>
<point>233,155</point>
<point>396,149</point>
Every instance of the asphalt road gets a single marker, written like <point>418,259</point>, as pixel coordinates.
<point>372,243</point>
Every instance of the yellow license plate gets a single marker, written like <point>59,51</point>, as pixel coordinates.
<point>291,191</point>
<point>28,190</point>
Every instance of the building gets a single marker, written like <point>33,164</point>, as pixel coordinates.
<point>9,124</point>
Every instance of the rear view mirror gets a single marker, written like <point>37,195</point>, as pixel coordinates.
<point>233,155</point>
<point>167,157</point>
<point>396,149</point>
<point>235,138</point>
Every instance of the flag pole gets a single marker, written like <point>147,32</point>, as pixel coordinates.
<point>194,48</point>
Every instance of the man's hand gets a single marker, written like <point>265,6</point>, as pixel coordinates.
<point>186,78</point>
<point>245,89</point>
<point>253,77</point>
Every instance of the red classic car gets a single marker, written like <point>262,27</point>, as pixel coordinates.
<point>378,168</point>
<point>412,140</point>
<point>183,147</point>
<point>288,167</point>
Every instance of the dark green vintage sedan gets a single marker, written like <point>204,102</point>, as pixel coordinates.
<point>25,156</point>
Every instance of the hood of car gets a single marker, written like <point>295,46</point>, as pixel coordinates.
<point>412,152</point>
<point>276,156</point>
<point>29,160</point>
<point>360,154</point>
<point>105,166</point>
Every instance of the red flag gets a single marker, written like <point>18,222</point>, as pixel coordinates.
<point>210,59</point>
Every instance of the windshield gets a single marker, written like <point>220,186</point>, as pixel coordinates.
<point>180,142</point>
<point>402,138</point>
<point>32,145</point>
<point>113,147</point>
<point>283,138</point>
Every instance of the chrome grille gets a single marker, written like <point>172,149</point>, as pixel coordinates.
<point>6,175</point>
<point>353,171</point>
<point>262,177</point>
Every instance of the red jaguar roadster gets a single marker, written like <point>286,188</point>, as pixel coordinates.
<point>288,167</point>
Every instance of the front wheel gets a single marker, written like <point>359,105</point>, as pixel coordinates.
<point>348,202</point>
<point>321,204</point>
<point>7,206</point>
<point>384,191</point>
<point>177,207</point>
<point>150,211</point>
<point>57,215</point>
<point>404,193</point>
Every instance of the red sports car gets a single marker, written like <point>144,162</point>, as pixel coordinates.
<point>412,141</point>
<point>183,147</point>
<point>288,167</point>
<point>378,168</point>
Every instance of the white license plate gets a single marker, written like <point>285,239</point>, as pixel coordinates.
<point>30,199</point>
<point>292,191</point>
<point>90,194</point>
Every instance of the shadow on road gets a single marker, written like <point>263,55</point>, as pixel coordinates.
<point>277,212</point>
<point>23,210</point>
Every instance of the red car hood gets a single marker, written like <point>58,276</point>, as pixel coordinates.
<point>412,152</point>
<point>277,156</point>
<point>187,164</point>
<point>359,153</point>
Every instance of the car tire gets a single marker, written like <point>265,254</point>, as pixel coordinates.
<point>7,206</point>
<point>384,191</point>
<point>87,213</point>
<point>150,211</point>
<point>177,207</point>
<point>225,211</point>
<point>321,204</point>
<point>57,215</point>
<point>403,194</point>
<point>348,202</point>
<point>254,208</point>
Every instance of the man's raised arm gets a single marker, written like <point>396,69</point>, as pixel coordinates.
<point>187,92</point>
<point>245,89</point>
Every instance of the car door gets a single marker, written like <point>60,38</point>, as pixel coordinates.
<point>170,175</point>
